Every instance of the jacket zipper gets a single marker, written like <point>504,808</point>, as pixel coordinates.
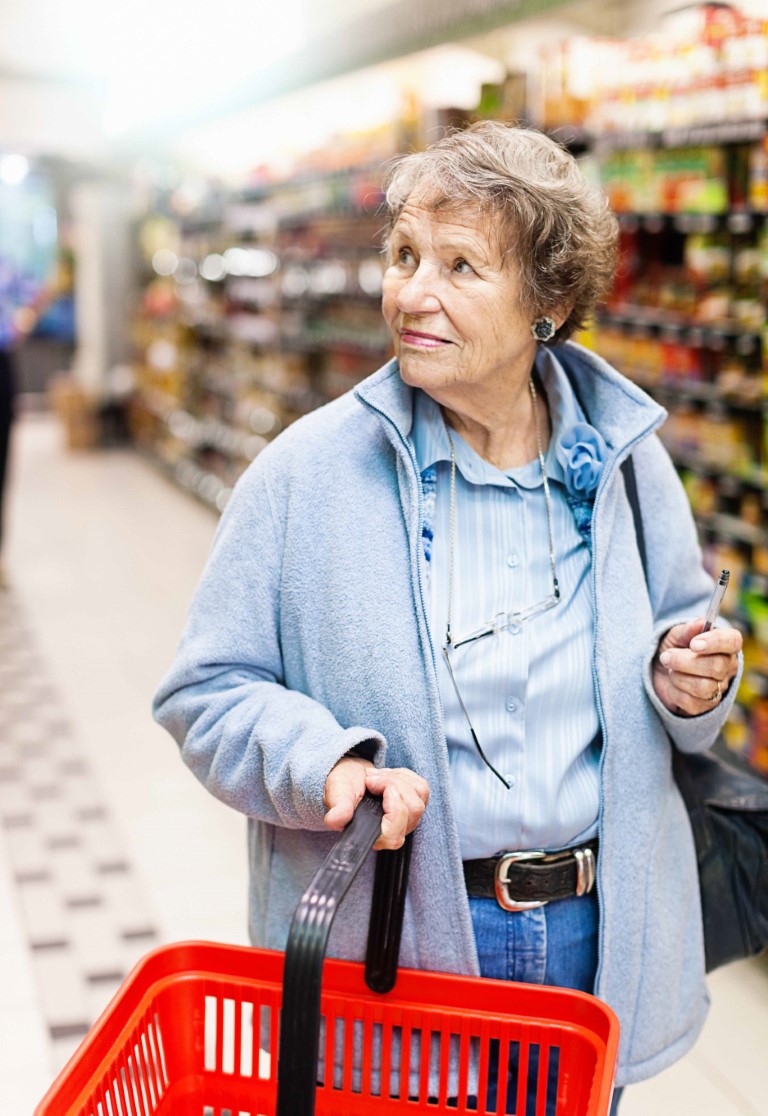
<point>422,617</point>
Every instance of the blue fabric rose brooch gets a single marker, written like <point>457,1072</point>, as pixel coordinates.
<point>582,451</point>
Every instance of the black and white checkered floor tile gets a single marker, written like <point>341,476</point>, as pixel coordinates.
<point>83,914</point>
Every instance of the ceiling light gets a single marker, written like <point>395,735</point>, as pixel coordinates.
<point>13,169</point>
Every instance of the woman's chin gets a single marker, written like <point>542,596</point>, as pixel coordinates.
<point>425,370</point>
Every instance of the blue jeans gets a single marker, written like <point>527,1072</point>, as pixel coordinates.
<point>555,944</point>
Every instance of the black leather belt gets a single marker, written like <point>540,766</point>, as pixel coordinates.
<point>519,881</point>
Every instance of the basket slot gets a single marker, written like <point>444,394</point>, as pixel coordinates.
<point>339,1061</point>
<point>449,1055</point>
<point>468,1049</point>
<point>209,1034</point>
<point>137,1080</point>
<point>348,1059</point>
<point>388,1036</point>
<point>268,1013</point>
<point>501,1059</point>
<point>438,1050</point>
<point>218,1032</point>
<point>230,1038</point>
<point>364,1035</point>
<point>127,1094</point>
<point>157,1054</point>
<point>211,1110</point>
<point>117,1108</point>
<point>482,1066</point>
<point>157,1036</point>
<point>376,1078</point>
<point>244,1061</point>
<point>145,1073</point>
<point>373,1047</point>
<point>232,1044</point>
<point>522,1075</point>
<point>542,1082</point>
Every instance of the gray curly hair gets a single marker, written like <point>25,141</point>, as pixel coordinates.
<point>554,224</point>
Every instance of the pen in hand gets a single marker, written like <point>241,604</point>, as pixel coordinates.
<point>717,599</point>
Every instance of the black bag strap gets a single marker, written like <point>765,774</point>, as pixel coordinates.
<point>630,485</point>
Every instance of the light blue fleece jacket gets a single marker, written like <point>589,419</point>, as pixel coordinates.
<point>308,636</point>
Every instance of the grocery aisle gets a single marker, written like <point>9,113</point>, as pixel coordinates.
<point>107,845</point>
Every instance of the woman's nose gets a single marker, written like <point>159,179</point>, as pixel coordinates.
<point>418,295</point>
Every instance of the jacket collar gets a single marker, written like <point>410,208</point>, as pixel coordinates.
<point>622,412</point>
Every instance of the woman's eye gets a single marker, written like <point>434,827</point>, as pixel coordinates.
<point>404,255</point>
<point>463,267</point>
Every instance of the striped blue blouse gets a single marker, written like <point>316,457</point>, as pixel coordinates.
<point>530,695</point>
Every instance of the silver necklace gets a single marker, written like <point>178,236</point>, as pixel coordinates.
<point>502,620</point>
<point>452,515</point>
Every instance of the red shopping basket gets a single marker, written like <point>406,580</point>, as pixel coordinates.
<point>191,1030</point>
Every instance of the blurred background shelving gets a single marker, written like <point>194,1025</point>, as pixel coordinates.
<point>261,301</point>
<point>225,273</point>
<point>191,200</point>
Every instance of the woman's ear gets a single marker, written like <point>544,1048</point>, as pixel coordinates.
<point>560,314</point>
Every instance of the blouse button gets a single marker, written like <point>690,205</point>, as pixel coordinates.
<point>511,706</point>
<point>513,559</point>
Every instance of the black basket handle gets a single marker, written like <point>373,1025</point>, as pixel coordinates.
<point>308,938</point>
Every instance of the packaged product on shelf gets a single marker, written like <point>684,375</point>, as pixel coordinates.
<point>707,258</point>
<point>758,176</point>
<point>721,554</point>
<point>567,80</point>
<point>738,380</point>
<point>707,63</point>
<point>701,491</point>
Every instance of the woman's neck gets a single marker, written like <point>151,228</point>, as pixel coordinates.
<point>506,433</point>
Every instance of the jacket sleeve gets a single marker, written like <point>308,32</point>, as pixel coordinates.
<point>678,584</point>
<point>262,748</point>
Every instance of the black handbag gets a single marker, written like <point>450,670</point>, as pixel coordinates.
<point>728,810</point>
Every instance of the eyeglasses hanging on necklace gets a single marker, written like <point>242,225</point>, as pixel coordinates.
<point>502,621</point>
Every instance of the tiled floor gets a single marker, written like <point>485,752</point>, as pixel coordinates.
<point>107,845</point>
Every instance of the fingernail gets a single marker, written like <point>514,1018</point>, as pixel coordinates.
<point>698,645</point>
<point>664,658</point>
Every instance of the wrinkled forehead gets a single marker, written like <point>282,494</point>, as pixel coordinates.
<point>473,216</point>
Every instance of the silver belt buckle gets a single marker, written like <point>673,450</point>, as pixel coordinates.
<point>585,870</point>
<point>501,881</point>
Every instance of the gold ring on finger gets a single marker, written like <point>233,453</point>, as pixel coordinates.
<point>715,697</point>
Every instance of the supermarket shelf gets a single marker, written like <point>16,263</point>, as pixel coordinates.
<point>652,322</point>
<point>309,216</point>
<point>697,135</point>
<point>186,474</point>
<point>734,221</point>
<point>754,478</point>
<point>697,391</point>
<point>732,527</point>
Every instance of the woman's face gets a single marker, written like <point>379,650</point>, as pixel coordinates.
<point>453,306</point>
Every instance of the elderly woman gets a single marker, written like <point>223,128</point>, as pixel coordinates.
<point>431,589</point>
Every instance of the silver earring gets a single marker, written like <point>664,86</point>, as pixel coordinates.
<point>544,329</point>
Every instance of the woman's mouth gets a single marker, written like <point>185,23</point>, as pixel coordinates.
<point>419,340</point>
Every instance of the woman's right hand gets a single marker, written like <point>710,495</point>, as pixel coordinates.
<point>404,795</point>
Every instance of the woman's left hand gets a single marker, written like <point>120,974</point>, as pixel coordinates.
<point>693,669</point>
